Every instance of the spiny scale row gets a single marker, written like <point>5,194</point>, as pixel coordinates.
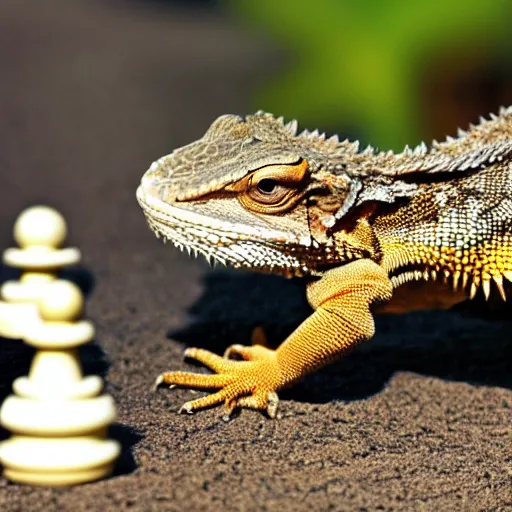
<point>347,146</point>
<point>458,278</point>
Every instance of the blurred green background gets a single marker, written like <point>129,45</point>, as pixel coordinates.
<point>389,72</point>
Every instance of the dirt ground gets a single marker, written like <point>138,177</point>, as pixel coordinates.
<point>418,419</point>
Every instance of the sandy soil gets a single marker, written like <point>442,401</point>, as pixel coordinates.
<point>418,419</point>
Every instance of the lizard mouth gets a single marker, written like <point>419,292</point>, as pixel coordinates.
<point>233,244</point>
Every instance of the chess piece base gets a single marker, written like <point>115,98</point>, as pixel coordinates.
<point>58,479</point>
<point>54,461</point>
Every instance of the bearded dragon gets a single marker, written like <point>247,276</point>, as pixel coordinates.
<point>252,193</point>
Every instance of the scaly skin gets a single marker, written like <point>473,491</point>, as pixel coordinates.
<point>251,193</point>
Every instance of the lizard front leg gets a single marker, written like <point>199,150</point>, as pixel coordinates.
<point>342,317</point>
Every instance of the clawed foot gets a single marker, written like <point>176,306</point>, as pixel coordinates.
<point>251,382</point>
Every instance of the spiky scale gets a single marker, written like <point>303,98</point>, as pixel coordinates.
<point>367,151</point>
<point>486,287</point>
<point>292,127</point>
<point>499,284</point>
<point>473,289</point>
<point>407,151</point>
<point>456,277</point>
<point>465,279</point>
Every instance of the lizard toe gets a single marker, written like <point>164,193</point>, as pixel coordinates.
<point>224,395</point>
<point>193,380</point>
<point>209,359</point>
<point>248,384</point>
<point>253,353</point>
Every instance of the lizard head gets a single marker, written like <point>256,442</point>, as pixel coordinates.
<point>253,193</point>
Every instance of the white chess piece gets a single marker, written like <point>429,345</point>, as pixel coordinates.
<point>58,417</point>
<point>40,231</point>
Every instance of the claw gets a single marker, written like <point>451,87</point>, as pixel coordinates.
<point>159,380</point>
<point>232,350</point>
<point>186,408</point>
<point>273,402</point>
<point>231,407</point>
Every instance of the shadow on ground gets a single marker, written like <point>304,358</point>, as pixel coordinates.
<point>454,345</point>
<point>128,437</point>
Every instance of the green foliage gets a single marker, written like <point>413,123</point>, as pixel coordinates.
<point>359,63</point>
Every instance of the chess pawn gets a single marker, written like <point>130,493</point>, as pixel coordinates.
<point>40,231</point>
<point>58,418</point>
<point>56,369</point>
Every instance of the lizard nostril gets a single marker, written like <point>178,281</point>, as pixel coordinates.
<point>163,190</point>
<point>156,180</point>
<point>159,171</point>
<point>153,185</point>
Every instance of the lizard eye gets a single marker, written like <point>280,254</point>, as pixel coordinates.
<point>268,191</point>
<point>272,189</point>
<point>267,186</point>
<point>268,196</point>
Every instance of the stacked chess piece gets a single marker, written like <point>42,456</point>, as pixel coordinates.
<point>40,231</point>
<point>58,417</point>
